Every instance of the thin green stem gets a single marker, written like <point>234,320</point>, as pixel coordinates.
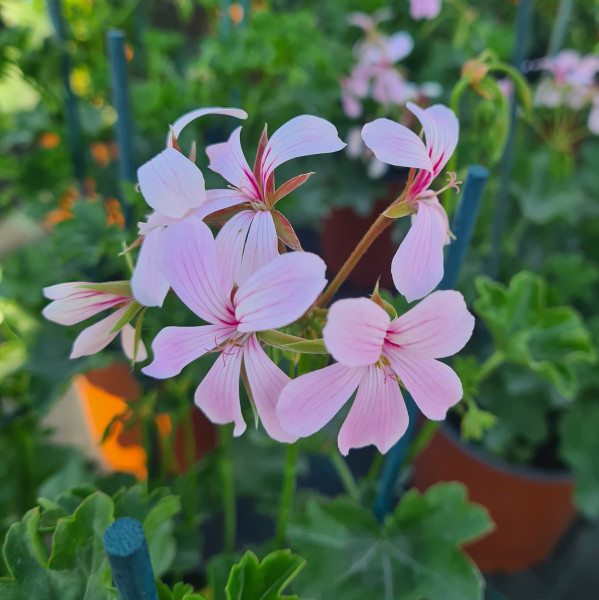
<point>375,469</point>
<point>228,487</point>
<point>421,441</point>
<point>288,493</point>
<point>490,365</point>
<point>189,443</point>
<point>347,479</point>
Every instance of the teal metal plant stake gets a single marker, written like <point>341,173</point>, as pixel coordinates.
<point>129,558</point>
<point>122,103</point>
<point>462,227</point>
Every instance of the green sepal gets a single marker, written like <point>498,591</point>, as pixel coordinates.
<point>133,309</point>
<point>285,341</point>
<point>117,288</point>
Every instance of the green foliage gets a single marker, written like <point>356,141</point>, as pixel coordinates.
<point>550,341</point>
<point>73,570</point>
<point>181,591</point>
<point>75,566</point>
<point>251,579</point>
<point>579,448</point>
<point>415,554</point>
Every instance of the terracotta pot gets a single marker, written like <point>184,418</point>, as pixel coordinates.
<point>531,508</point>
<point>341,232</point>
<point>102,396</point>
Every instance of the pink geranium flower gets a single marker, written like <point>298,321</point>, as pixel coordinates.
<point>274,296</point>
<point>174,187</point>
<point>417,267</point>
<point>75,302</point>
<point>425,9</point>
<point>255,230</point>
<point>372,352</point>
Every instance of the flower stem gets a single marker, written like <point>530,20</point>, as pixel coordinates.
<point>228,487</point>
<point>288,493</point>
<point>375,230</point>
<point>495,360</point>
<point>347,479</point>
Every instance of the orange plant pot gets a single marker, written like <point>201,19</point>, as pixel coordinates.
<point>103,395</point>
<point>531,508</point>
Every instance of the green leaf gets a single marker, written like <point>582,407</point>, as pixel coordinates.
<point>253,580</point>
<point>181,591</point>
<point>550,341</point>
<point>579,448</point>
<point>76,566</point>
<point>415,554</point>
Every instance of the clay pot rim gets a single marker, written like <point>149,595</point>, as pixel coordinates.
<point>484,457</point>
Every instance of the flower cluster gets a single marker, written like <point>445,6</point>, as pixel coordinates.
<point>572,83</point>
<point>375,74</point>
<point>244,285</point>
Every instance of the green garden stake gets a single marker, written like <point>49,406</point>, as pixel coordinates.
<point>122,103</point>
<point>225,19</point>
<point>523,19</point>
<point>129,558</point>
<point>70,100</point>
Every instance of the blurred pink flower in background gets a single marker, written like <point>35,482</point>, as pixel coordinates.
<point>417,266</point>
<point>573,83</point>
<point>425,9</point>
<point>371,351</point>
<point>201,274</point>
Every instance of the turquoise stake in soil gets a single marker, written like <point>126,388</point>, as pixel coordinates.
<point>129,558</point>
<point>462,227</point>
<point>122,103</point>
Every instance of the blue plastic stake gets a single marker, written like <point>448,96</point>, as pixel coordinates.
<point>70,100</point>
<point>129,558</point>
<point>225,19</point>
<point>462,227</point>
<point>122,102</point>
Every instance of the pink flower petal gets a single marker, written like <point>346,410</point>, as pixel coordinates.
<point>171,184</point>
<point>355,331</point>
<point>361,20</point>
<point>438,326</point>
<point>96,337</point>
<point>187,118</point>
<point>301,136</point>
<point>217,200</point>
<point>188,261</point>
<point>378,415</point>
<point>74,304</point>
<point>266,382</point>
<point>434,386</point>
<point>424,9</point>
<point>309,402</point>
<point>148,285</point>
<point>280,292</point>
<point>128,344</point>
<point>441,132</point>
<point>417,266</point>
<point>396,145</point>
<point>64,290</point>
<point>175,347</point>
<point>261,246</point>
<point>399,45</point>
<point>230,243</point>
<point>218,394</point>
<point>227,159</point>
